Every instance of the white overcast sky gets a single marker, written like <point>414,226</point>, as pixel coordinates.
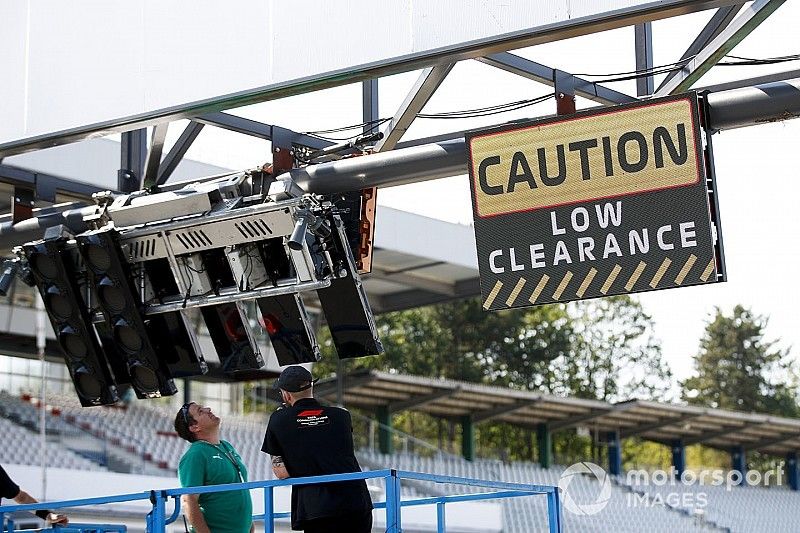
<point>756,166</point>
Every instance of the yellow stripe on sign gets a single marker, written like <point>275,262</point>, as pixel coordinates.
<point>586,282</point>
<point>610,279</point>
<point>515,292</point>
<point>660,272</point>
<point>539,288</point>
<point>492,295</point>
<point>707,272</point>
<point>563,285</point>
<point>635,276</point>
<point>685,270</point>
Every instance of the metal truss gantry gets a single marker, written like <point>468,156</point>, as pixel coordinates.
<point>737,104</point>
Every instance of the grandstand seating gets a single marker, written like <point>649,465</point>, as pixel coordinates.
<point>529,514</point>
<point>145,429</point>
<point>23,447</point>
<point>740,509</point>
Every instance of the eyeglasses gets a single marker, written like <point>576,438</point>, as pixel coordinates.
<point>185,412</point>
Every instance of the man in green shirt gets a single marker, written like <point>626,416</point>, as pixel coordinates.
<point>211,461</point>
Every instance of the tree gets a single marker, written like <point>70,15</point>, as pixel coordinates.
<point>738,369</point>
<point>461,341</point>
<point>614,355</point>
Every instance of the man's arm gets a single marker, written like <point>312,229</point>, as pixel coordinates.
<point>24,498</point>
<point>191,508</point>
<point>278,468</point>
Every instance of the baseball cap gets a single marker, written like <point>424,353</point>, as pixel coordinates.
<point>294,379</point>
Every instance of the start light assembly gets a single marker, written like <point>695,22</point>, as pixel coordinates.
<point>119,295</point>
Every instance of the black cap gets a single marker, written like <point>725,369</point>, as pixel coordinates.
<point>294,379</point>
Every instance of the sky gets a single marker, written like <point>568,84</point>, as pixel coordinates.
<point>756,166</point>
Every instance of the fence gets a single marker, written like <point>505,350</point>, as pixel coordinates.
<point>158,519</point>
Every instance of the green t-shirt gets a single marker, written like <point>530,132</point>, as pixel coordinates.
<point>208,464</point>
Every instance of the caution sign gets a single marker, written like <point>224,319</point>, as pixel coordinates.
<point>602,202</point>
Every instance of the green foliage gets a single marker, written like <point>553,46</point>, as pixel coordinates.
<point>460,341</point>
<point>601,349</point>
<point>615,355</point>
<point>645,455</point>
<point>738,369</point>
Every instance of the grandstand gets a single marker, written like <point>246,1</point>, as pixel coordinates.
<point>141,436</point>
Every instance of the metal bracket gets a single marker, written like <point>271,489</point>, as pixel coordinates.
<point>22,208</point>
<point>564,85</point>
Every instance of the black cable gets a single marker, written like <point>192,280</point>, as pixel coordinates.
<point>644,72</point>
<point>486,111</point>
<point>740,61</point>
<point>372,123</point>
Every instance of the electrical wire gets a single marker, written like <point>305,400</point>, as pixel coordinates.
<point>740,61</point>
<point>645,71</point>
<point>487,111</point>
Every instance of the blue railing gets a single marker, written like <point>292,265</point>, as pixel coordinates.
<point>158,519</point>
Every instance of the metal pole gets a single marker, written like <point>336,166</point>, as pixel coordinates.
<point>554,511</point>
<point>40,346</point>
<point>440,519</point>
<point>159,511</point>
<point>269,509</point>
<point>392,503</point>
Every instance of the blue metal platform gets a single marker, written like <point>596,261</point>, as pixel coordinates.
<point>158,518</point>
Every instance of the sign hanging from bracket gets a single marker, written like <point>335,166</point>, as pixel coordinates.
<point>602,202</point>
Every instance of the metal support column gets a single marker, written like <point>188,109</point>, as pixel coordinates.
<point>544,445</point>
<point>614,453</point>
<point>678,457</point>
<point>385,441</point>
<point>792,472</point>
<point>644,57</point>
<point>739,463</point>
<point>133,152</point>
<point>369,105</point>
<point>467,438</point>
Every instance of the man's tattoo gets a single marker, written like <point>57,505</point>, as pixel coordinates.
<point>277,460</point>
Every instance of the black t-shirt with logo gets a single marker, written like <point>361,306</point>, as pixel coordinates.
<point>316,440</point>
<point>8,489</point>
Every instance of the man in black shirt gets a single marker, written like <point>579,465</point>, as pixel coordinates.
<point>309,439</point>
<point>9,489</point>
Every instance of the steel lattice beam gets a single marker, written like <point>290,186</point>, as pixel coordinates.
<point>153,160</point>
<point>418,96</point>
<point>543,74</point>
<point>721,19</point>
<point>178,150</point>
<point>478,48</point>
<point>261,130</point>
<point>723,43</point>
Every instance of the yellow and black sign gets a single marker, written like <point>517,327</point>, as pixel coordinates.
<point>602,202</point>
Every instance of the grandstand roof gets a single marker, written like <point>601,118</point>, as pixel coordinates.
<point>655,421</point>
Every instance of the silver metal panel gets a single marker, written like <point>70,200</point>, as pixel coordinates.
<point>152,208</point>
<point>194,275</point>
<point>303,265</point>
<point>247,267</point>
<point>231,232</point>
<point>229,228</point>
